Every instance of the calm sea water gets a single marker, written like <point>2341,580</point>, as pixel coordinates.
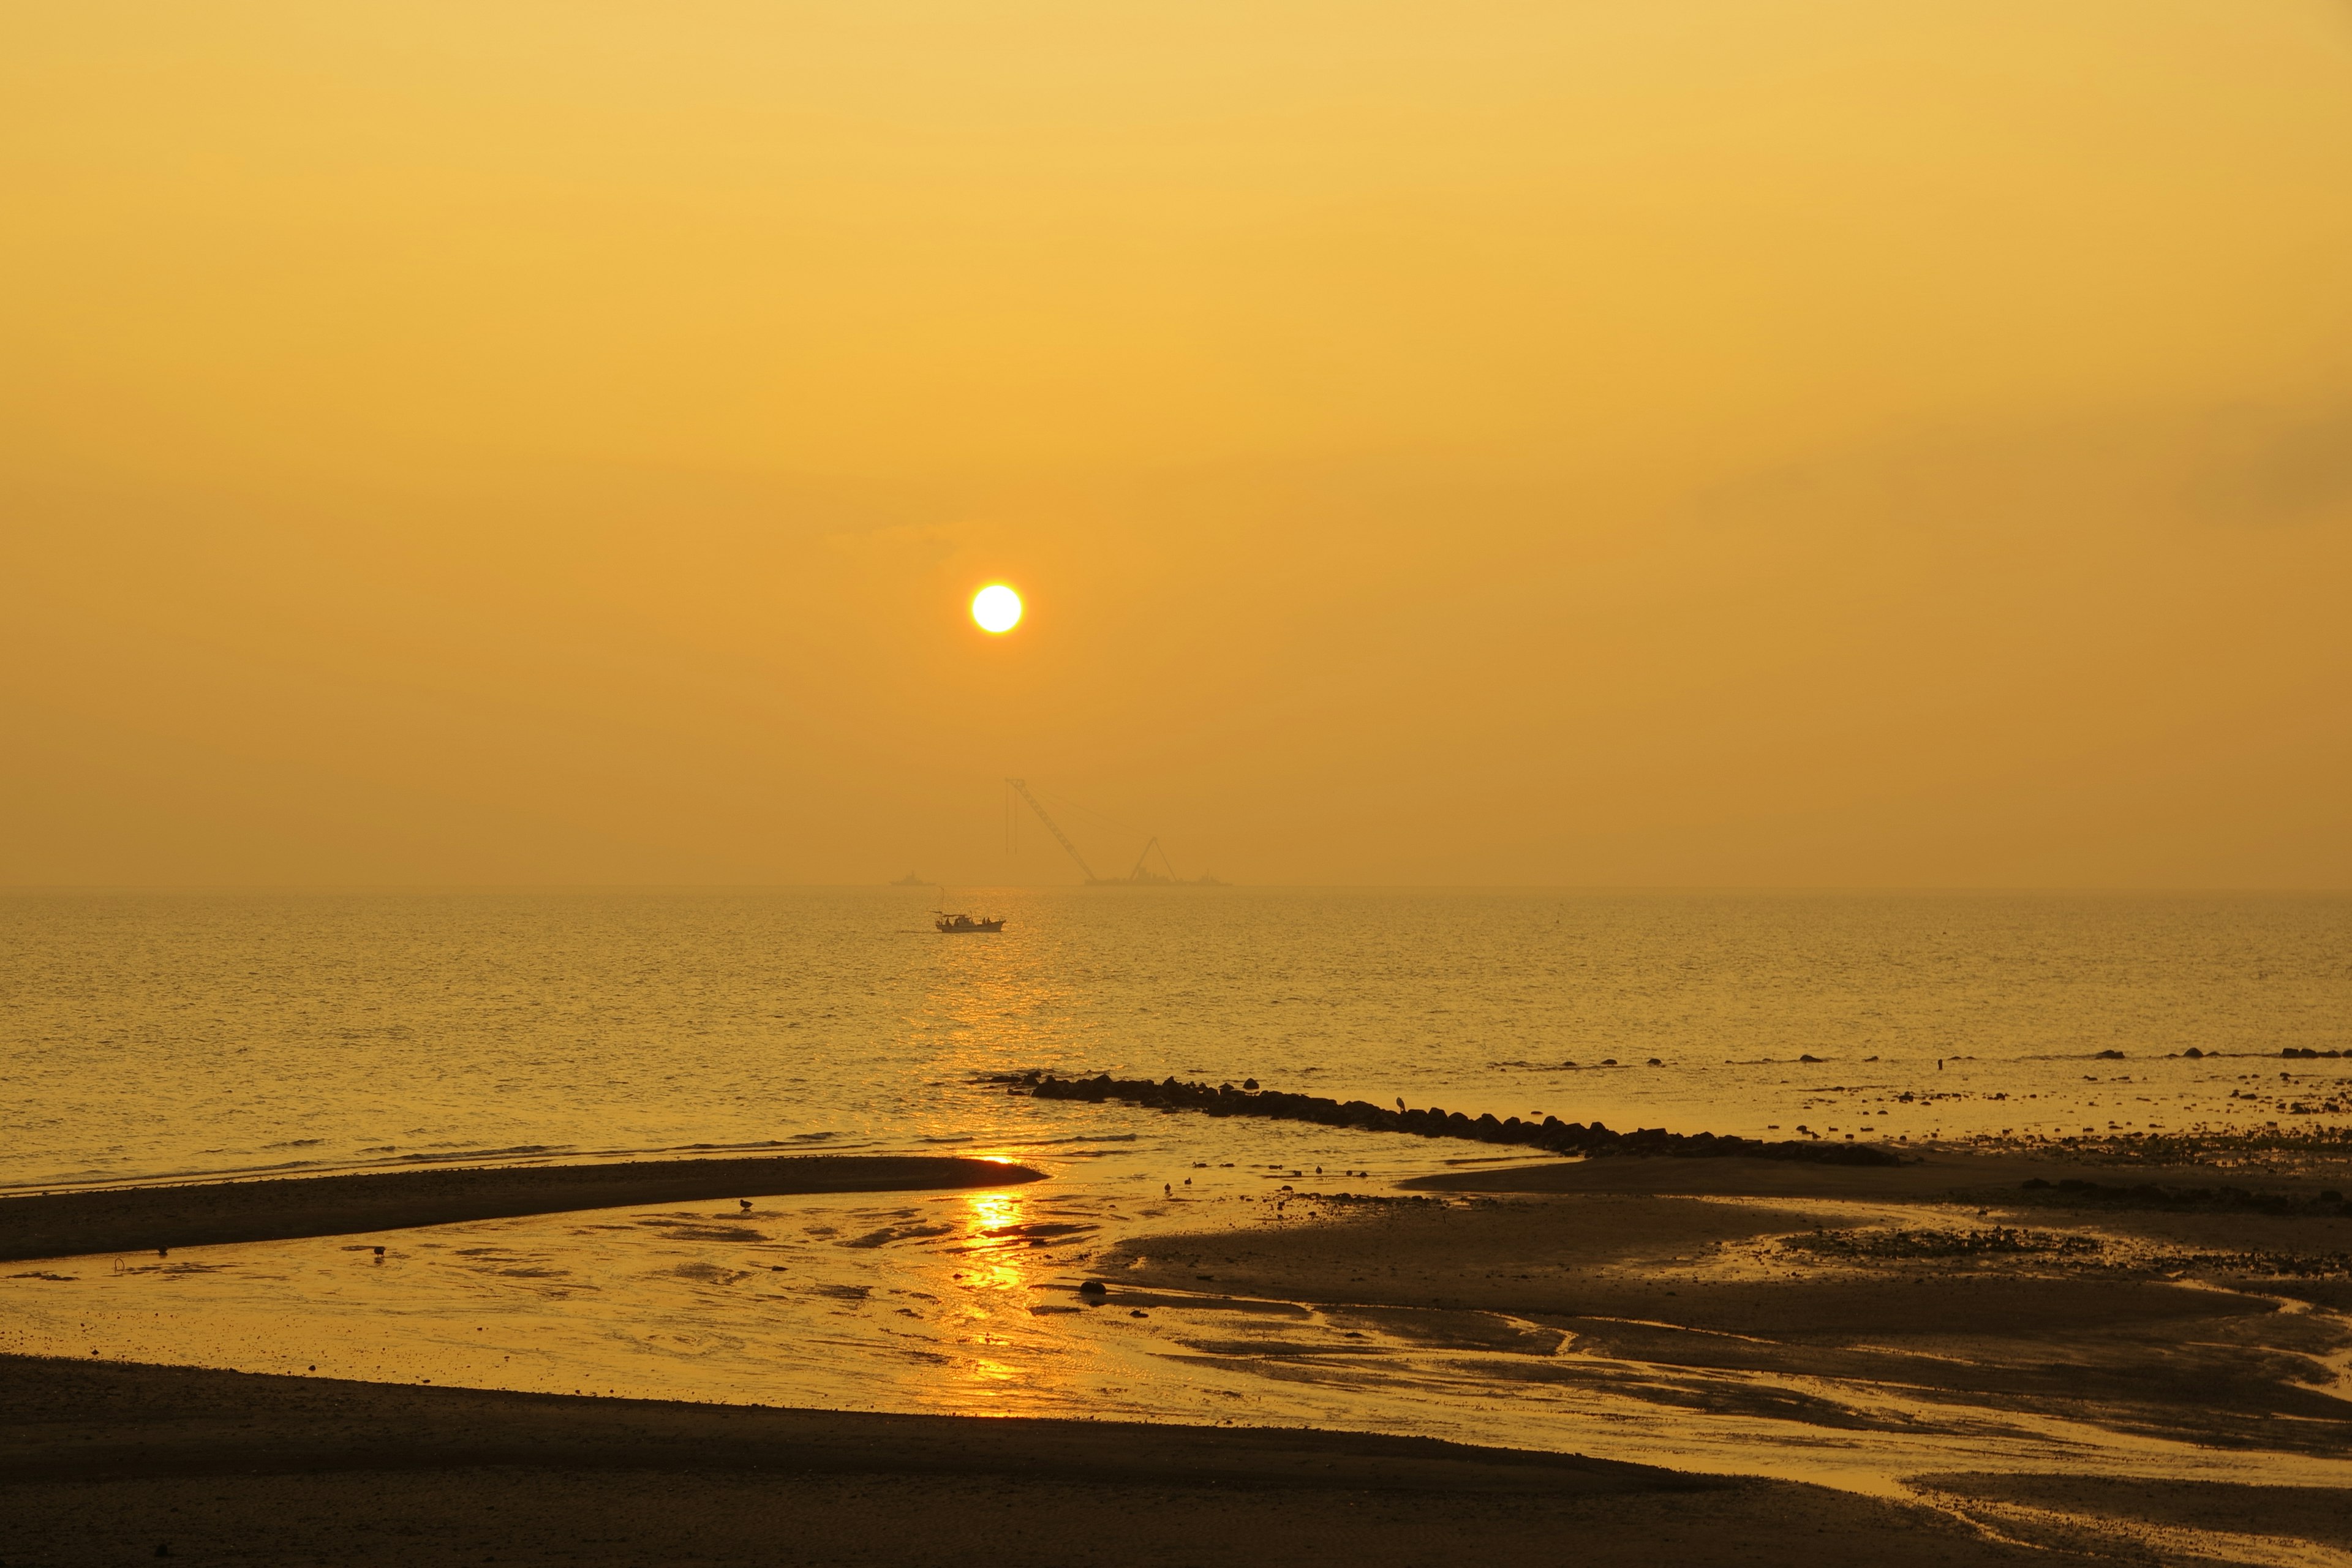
<point>150,1036</point>
<point>147,1037</point>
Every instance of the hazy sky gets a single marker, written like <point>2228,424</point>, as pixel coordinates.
<point>1715,442</point>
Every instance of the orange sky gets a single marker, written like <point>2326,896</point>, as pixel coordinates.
<point>1684,442</point>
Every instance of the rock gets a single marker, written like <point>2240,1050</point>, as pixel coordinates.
<point>1171,1095</point>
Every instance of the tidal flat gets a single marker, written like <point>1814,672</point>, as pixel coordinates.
<point>1971,1356</point>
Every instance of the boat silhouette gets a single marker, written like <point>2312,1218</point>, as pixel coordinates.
<point>957,925</point>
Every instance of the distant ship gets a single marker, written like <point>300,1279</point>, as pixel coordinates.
<point>957,925</point>
<point>911,881</point>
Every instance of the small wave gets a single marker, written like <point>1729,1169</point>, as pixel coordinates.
<point>1033,1143</point>
<point>515,1150</point>
<point>393,1157</point>
<point>94,1179</point>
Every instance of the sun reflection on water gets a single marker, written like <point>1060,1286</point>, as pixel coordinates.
<point>997,1269</point>
<point>993,1212</point>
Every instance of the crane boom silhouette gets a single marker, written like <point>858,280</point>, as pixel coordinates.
<point>1141,875</point>
<point>1021,788</point>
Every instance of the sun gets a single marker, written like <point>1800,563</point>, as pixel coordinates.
<point>997,607</point>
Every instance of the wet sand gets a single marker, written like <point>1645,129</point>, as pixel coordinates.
<point>139,1219</point>
<point>2191,1518</point>
<point>1951,1292</point>
<point>100,1464</point>
<point>1929,1175</point>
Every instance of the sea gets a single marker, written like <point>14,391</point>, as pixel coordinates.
<point>150,1038</point>
<point>164,1037</point>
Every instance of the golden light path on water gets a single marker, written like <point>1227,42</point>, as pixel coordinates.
<point>968,1303</point>
<point>167,1038</point>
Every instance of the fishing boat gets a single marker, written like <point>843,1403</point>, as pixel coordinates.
<point>957,925</point>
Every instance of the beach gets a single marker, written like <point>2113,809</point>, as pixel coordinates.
<point>127,1219</point>
<point>1712,1288</point>
<point>104,1464</point>
<point>2148,1302</point>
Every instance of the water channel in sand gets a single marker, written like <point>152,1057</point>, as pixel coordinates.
<point>967,1303</point>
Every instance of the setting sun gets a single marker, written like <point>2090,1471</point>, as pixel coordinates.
<point>997,607</point>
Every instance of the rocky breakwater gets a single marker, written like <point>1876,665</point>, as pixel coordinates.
<point>1550,1134</point>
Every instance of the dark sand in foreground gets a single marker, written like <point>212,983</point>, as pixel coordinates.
<point>138,1219</point>
<point>103,1464</point>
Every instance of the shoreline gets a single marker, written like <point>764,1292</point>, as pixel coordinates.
<point>141,1219</point>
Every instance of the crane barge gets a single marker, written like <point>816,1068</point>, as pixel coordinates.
<point>1141,875</point>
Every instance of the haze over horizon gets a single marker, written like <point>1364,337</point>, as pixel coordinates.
<point>1697,444</point>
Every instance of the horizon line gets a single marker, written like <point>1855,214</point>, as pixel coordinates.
<point>1922,888</point>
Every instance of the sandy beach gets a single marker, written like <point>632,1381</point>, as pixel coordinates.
<point>136,1219</point>
<point>103,1464</point>
<point>2201,1320</point>
<point>1962,1287</point>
